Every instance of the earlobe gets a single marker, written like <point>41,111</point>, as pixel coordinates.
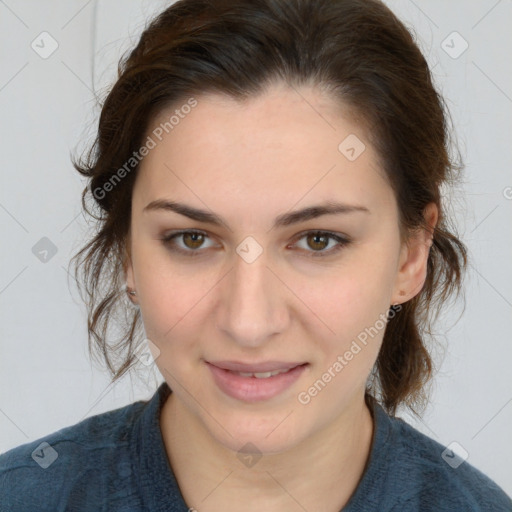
<point>129,278</point>
<point>414,255</point>
<point>129,287</point>
<point>128,272</point>
<point>128,268</point>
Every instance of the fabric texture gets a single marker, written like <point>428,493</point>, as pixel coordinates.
<point>116,462</point>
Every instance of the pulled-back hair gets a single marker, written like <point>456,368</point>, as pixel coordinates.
<point>359,52</point>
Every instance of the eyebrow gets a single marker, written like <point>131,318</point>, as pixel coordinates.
<point>286,219</point>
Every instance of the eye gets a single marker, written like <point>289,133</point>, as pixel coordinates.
<point>193,240</point>
<point>319,240</point>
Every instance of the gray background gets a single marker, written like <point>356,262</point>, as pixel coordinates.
<point>48,109</point>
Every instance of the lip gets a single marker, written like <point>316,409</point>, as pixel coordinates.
<point>252,389</point>
<point>267,366</point>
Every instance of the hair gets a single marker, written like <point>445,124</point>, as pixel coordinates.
<point>356,50</point>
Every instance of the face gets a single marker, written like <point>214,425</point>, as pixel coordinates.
<point>263,285</point>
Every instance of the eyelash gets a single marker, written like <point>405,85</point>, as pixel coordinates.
<point>342,242</point>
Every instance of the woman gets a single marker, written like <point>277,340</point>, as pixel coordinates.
<point>268,180</point>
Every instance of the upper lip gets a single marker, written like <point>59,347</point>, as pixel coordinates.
<point>267,366</point>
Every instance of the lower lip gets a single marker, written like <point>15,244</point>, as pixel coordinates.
<point>252,389</point>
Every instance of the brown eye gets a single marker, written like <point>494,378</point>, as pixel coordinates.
<point>188,243</point>
<point>191,243</point>
<point>317,241</point>
<point>193,240</point>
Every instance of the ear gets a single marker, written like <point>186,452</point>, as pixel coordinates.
<point>412,268</point>
<point>128,266</point>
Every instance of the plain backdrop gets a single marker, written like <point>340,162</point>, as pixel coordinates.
<point>48,110</point>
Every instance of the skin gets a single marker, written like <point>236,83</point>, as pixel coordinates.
<point>250,162</point>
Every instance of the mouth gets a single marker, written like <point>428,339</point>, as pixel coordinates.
<point>256,382</point>
<point>261,375</point>
<point>264,367</point>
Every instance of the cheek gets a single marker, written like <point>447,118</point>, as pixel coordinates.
<point>169,307</point>
<point>352,306</point>
<point>354,309</point>
<point>334,304</point>
<point>167,298</point>
<point>349,298</point>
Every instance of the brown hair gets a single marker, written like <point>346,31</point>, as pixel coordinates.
<point>358,51</point>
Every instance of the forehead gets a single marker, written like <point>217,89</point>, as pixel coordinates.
<point>287,145</point>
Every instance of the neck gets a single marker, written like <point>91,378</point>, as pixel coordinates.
<point>320,473</point>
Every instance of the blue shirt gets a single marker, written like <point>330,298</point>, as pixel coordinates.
<point>116,462</point>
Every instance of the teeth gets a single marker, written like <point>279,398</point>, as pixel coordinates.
<point>261,375</point>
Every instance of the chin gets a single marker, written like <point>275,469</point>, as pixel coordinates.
<point>269,436</point>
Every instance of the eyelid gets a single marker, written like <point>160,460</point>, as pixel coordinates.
<point>341,239</point>
<point>169,237</point>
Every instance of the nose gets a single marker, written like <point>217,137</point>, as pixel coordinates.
<point>253,303</point>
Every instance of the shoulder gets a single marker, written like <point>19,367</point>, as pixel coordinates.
<point>428,476</point>
<point>42,474</point>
